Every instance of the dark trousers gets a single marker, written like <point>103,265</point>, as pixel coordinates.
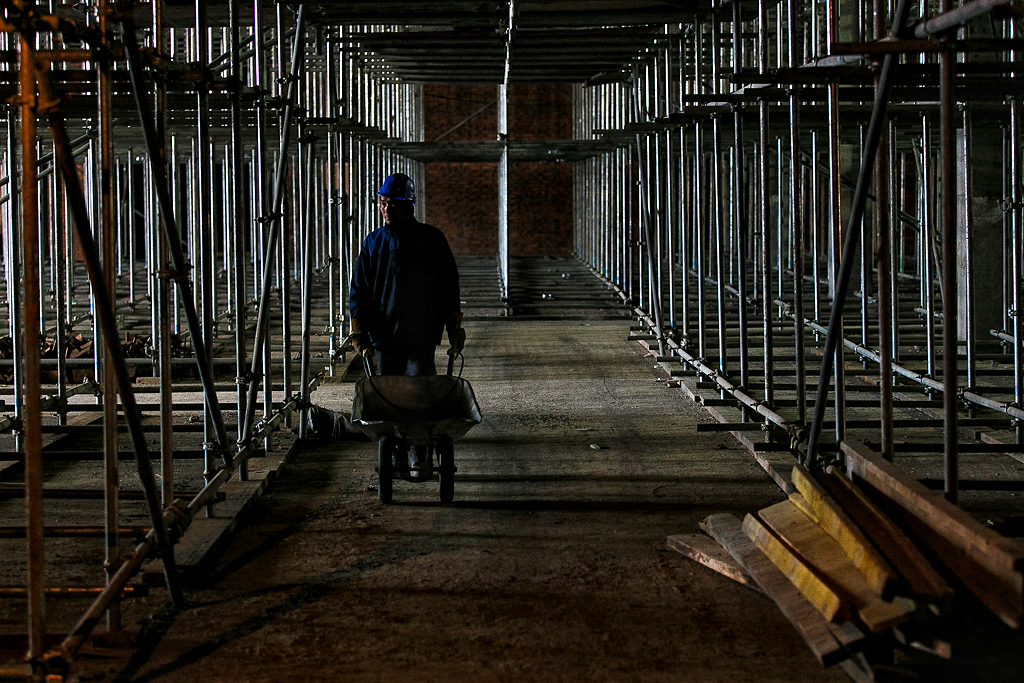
<point>408,362</point>
<point>411,363</point>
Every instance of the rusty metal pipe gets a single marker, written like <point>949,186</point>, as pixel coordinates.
<point>104,114</point>
<point>31,416</point>
<point>885,275</point>
<point>878,113</point>
<point>105,312</point>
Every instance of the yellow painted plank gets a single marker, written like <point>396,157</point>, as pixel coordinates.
<point>817,592</point>
<point>826,640</point>
<point>920,577</point>
<point>879,616</point>
<point>873,566</point>
<point>826,558</point>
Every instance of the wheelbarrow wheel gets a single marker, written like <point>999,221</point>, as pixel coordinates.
<point>384,469</point>
<point>446,469</point>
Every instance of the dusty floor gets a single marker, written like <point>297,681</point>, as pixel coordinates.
<point>551,565</point>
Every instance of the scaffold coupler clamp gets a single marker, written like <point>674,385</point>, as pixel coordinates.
<point>218,451</point>
<point>287,78</point>
<point>798,443</point>
<point>52,667</point>
<point>181,521</point>
<point>172,275</point>
<point>48,102</point>
<point>211,472</point>
<point>111,566</point>
<point>1006,205</point>
<point>798,436</point>
<point>251,376</point>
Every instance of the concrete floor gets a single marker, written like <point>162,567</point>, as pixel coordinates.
<point>551,565</point>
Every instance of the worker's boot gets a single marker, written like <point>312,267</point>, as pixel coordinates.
<point>419,463</point>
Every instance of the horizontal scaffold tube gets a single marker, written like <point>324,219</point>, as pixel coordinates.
<point>1006,408</point>
<point>797,432</point>
<point>178,516</point>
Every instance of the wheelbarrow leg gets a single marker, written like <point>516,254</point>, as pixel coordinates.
<point>384,469</point>
<point>446,469</point>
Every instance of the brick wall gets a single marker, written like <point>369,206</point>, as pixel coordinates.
<point>463,202</point>
<point>448,105</point>
<point>540,112</point>
<point>540,209</point>
<point>462,199</point>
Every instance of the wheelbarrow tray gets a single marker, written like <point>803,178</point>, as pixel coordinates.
<point>416,409</point>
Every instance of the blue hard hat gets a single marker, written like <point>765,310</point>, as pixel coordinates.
<point>398,186</point>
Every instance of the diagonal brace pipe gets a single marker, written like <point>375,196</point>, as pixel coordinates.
<point>263,314</point>
<point>108,326</point>
<point>173,236</point>
<point>851,240</point>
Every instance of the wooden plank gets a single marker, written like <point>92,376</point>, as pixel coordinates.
<point>825,599</point>
<point>820,553</point>
<point>846,632</point>
<point>207,536</point>
<point>986,562</point>
<point>14,469</point>
<point>10,469</point>
<point>858,669</point>
<point>922,581</point>
<point>992,549</point>
<point>707,552</point>
<point>876,570</point>
<point>814,628</point>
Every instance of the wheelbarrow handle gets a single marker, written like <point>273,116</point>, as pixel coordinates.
<point>368,366</point>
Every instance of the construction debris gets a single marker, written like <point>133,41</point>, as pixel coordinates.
<point>868,559</point>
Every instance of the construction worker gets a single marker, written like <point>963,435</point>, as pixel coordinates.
<point>405,292</point>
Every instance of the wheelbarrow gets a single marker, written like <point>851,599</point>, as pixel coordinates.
<point>399,412</point>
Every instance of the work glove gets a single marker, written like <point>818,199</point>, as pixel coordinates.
<point>456,333</point>
<point>360,339</point>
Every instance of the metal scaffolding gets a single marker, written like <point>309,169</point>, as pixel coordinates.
<point>200,180</point>
<point>797,193</point>
<point>814,208</point>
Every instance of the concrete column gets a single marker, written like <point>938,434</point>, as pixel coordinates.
<point>982,149</point>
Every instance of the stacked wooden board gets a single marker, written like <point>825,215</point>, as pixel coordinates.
<point>861,552</point>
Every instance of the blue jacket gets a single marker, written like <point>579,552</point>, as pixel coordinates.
<point>405,286</point>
